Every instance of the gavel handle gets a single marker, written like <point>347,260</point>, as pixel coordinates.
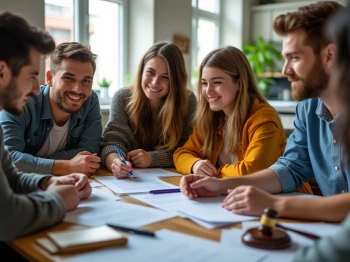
<point>308,235</point>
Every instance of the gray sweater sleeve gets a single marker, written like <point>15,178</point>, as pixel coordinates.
<point>119,130</point>
<point>332,248</point>
<point>24,210</point>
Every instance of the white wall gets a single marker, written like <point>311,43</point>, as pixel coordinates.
<point>152,21</point>
<point>33,11</point>
<point>173,17</point>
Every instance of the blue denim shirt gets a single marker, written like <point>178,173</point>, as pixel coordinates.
<point>24,135</point>
<point>314,149</point>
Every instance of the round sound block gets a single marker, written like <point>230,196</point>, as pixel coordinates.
<point>278,240</point>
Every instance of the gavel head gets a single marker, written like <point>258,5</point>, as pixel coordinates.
<point>266,236</point>
<point>268,221</point>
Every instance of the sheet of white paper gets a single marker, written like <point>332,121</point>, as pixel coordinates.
<point>154,172</point>
<point>141,184</point>
<point>208,225</point>
<point>169,246</point>
<point>95,184</point>
<point>97,197</point>
<point>92,214</point>
<point>162,201</point>
<point>233,238</point>
<point>207,209</point>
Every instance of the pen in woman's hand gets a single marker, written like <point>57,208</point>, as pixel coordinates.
<point>123,160</point>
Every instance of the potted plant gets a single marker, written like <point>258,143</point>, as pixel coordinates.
<point>104,85</point>
<point>263,58</point>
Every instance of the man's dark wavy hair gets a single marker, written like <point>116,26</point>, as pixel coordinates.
<point>17,36</point>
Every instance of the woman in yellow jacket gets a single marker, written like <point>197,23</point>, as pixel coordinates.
<point>237,132</point>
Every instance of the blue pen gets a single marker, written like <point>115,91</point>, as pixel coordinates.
<point>123,160</point>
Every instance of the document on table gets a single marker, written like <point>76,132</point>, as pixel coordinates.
<point>208,225</point>
<point>95,184</point>
<point>125,214</point>
<point>97,197</point>
<point>170,246</point>
<point>233,238</point>
<point>142,184</point>
<point>153,172</point>
<point>207,209</point>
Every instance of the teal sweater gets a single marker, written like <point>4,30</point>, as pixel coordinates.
<point>332,248</point>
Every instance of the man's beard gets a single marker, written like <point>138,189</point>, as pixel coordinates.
<point>314,83</point>
<point>59,100</point>
<point>10,97</point>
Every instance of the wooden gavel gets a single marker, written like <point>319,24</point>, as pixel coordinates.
<point>268,236</point>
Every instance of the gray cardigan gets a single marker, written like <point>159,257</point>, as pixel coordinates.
<point>24,209</point>
<point>119,130</point>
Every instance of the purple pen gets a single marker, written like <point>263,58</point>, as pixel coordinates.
<point>165,191</point>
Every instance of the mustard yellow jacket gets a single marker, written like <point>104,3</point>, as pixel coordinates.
<point>263,141</point>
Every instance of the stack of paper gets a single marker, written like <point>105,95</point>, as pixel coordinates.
<point>206,211</point>
<point>145,181</point>
<point>101,208</point>
<point>170,246</point>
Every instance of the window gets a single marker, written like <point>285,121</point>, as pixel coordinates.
<point>98,23</point>
<point>105,42</point>
<point>205,30</point>
<point>206,18</point>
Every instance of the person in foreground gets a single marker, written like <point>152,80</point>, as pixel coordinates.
<point>236,127</point>
<point>336,248</point>
<point>28,202</point>
<point>61,128</point>
<point>152,118</point>
<point>313,149</point>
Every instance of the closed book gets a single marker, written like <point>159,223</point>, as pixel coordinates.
<point>82,239</point>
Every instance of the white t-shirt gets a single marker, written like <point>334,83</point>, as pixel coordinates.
<point>56,141</point>
<point>226,158</point>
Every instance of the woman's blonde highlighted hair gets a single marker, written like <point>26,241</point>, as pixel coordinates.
<point>233,62</point>
<point>174,104</point>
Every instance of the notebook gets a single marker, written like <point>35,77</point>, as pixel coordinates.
<point>82,239</point>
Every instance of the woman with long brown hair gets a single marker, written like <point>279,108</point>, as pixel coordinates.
<point>151,118</point>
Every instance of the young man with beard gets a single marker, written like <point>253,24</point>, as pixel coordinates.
<point>61,128</point>
<point>314,149</point>
<point>28,202</point>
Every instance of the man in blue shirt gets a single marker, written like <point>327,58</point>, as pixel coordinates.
<point>314,149</point>
<point>60,129</point>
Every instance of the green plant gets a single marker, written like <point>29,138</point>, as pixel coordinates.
<point>127,80</point>
<point>104,83</point>
<point>263,57</point>
<point>195,73</point>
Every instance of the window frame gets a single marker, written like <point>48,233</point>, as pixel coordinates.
<point>197,14</point>
<point>81,30</point>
